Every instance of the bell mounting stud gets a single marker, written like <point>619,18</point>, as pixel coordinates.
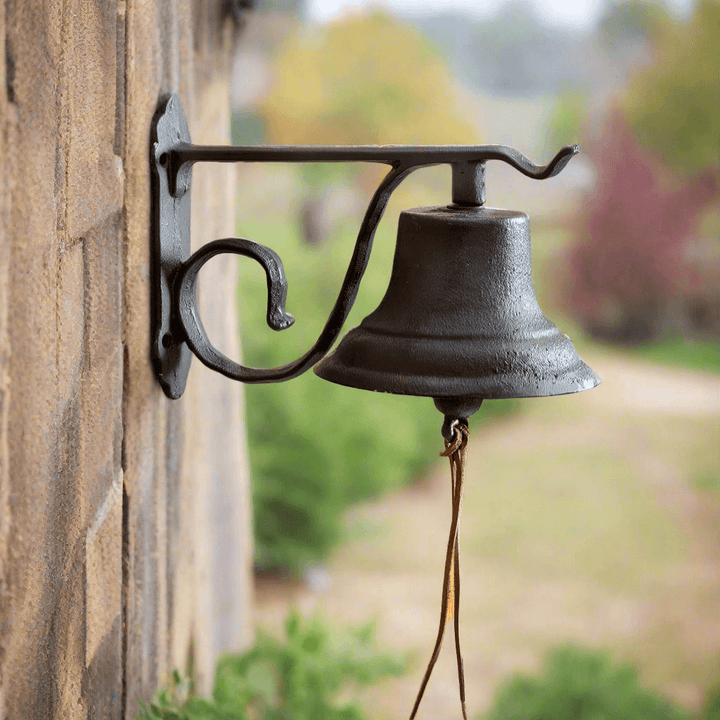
<point>479,364</point>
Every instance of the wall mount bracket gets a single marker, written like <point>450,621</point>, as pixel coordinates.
<point>178,332</point>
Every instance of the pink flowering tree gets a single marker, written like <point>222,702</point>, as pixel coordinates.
<point>629,269</point>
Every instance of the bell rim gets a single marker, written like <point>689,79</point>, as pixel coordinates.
<point>471,393</point>
<point>579,378</point>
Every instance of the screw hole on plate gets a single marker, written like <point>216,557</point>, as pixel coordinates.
<point>167,341</point>
<point>163,159</point>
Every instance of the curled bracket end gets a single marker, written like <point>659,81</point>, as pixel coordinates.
<point>278,319</point>
<point>558,163</point>
<point>537,172</point>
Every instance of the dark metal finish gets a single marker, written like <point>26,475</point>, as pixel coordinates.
<point>456,410</point>
<point>186,282</point>
<point>468,184</point>
<point>178,327</point>
<point>195,336</point>
<point>171,247</point>
<point>395,155</point>
<point>460,320</point>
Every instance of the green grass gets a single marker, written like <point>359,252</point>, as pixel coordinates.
<point>581,513</point>
<point>678,352</point>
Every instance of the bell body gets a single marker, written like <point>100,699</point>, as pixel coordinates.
<point>460,318</point>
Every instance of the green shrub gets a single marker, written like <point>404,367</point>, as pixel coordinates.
<point>578,684</point>
<point>315,447</point>
<point>711,711</point>
<point>298,678</point>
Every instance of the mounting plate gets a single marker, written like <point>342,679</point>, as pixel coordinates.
<point>171,244</point>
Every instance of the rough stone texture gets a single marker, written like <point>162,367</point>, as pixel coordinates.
<point>124,517</point>
<point>225,596</point>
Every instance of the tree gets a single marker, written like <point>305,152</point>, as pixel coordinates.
<point>630,262</point>
<point>674,105</point>
<point>635,270</point>
<point>365,79</point>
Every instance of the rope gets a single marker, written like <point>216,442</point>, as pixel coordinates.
<point>456,450</point>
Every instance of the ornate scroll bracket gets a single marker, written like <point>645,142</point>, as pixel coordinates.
<point>177,328</point>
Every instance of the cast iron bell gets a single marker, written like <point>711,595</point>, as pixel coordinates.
<point>460,321</point>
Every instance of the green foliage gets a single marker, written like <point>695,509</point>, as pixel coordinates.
<point>673,105</point>
<point>577,684</point>
<point>173,702</point>
<point>298,678</point>
<point>316,447</point>
<point>568,119</point>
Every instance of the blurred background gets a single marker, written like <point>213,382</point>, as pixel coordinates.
<point>589,540</point>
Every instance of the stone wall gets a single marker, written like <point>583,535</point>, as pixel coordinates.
<point>125,544</point>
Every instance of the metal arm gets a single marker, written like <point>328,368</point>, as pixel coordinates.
<point>278,319</point>
<point>178,329</point>
<point>184,156</point>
